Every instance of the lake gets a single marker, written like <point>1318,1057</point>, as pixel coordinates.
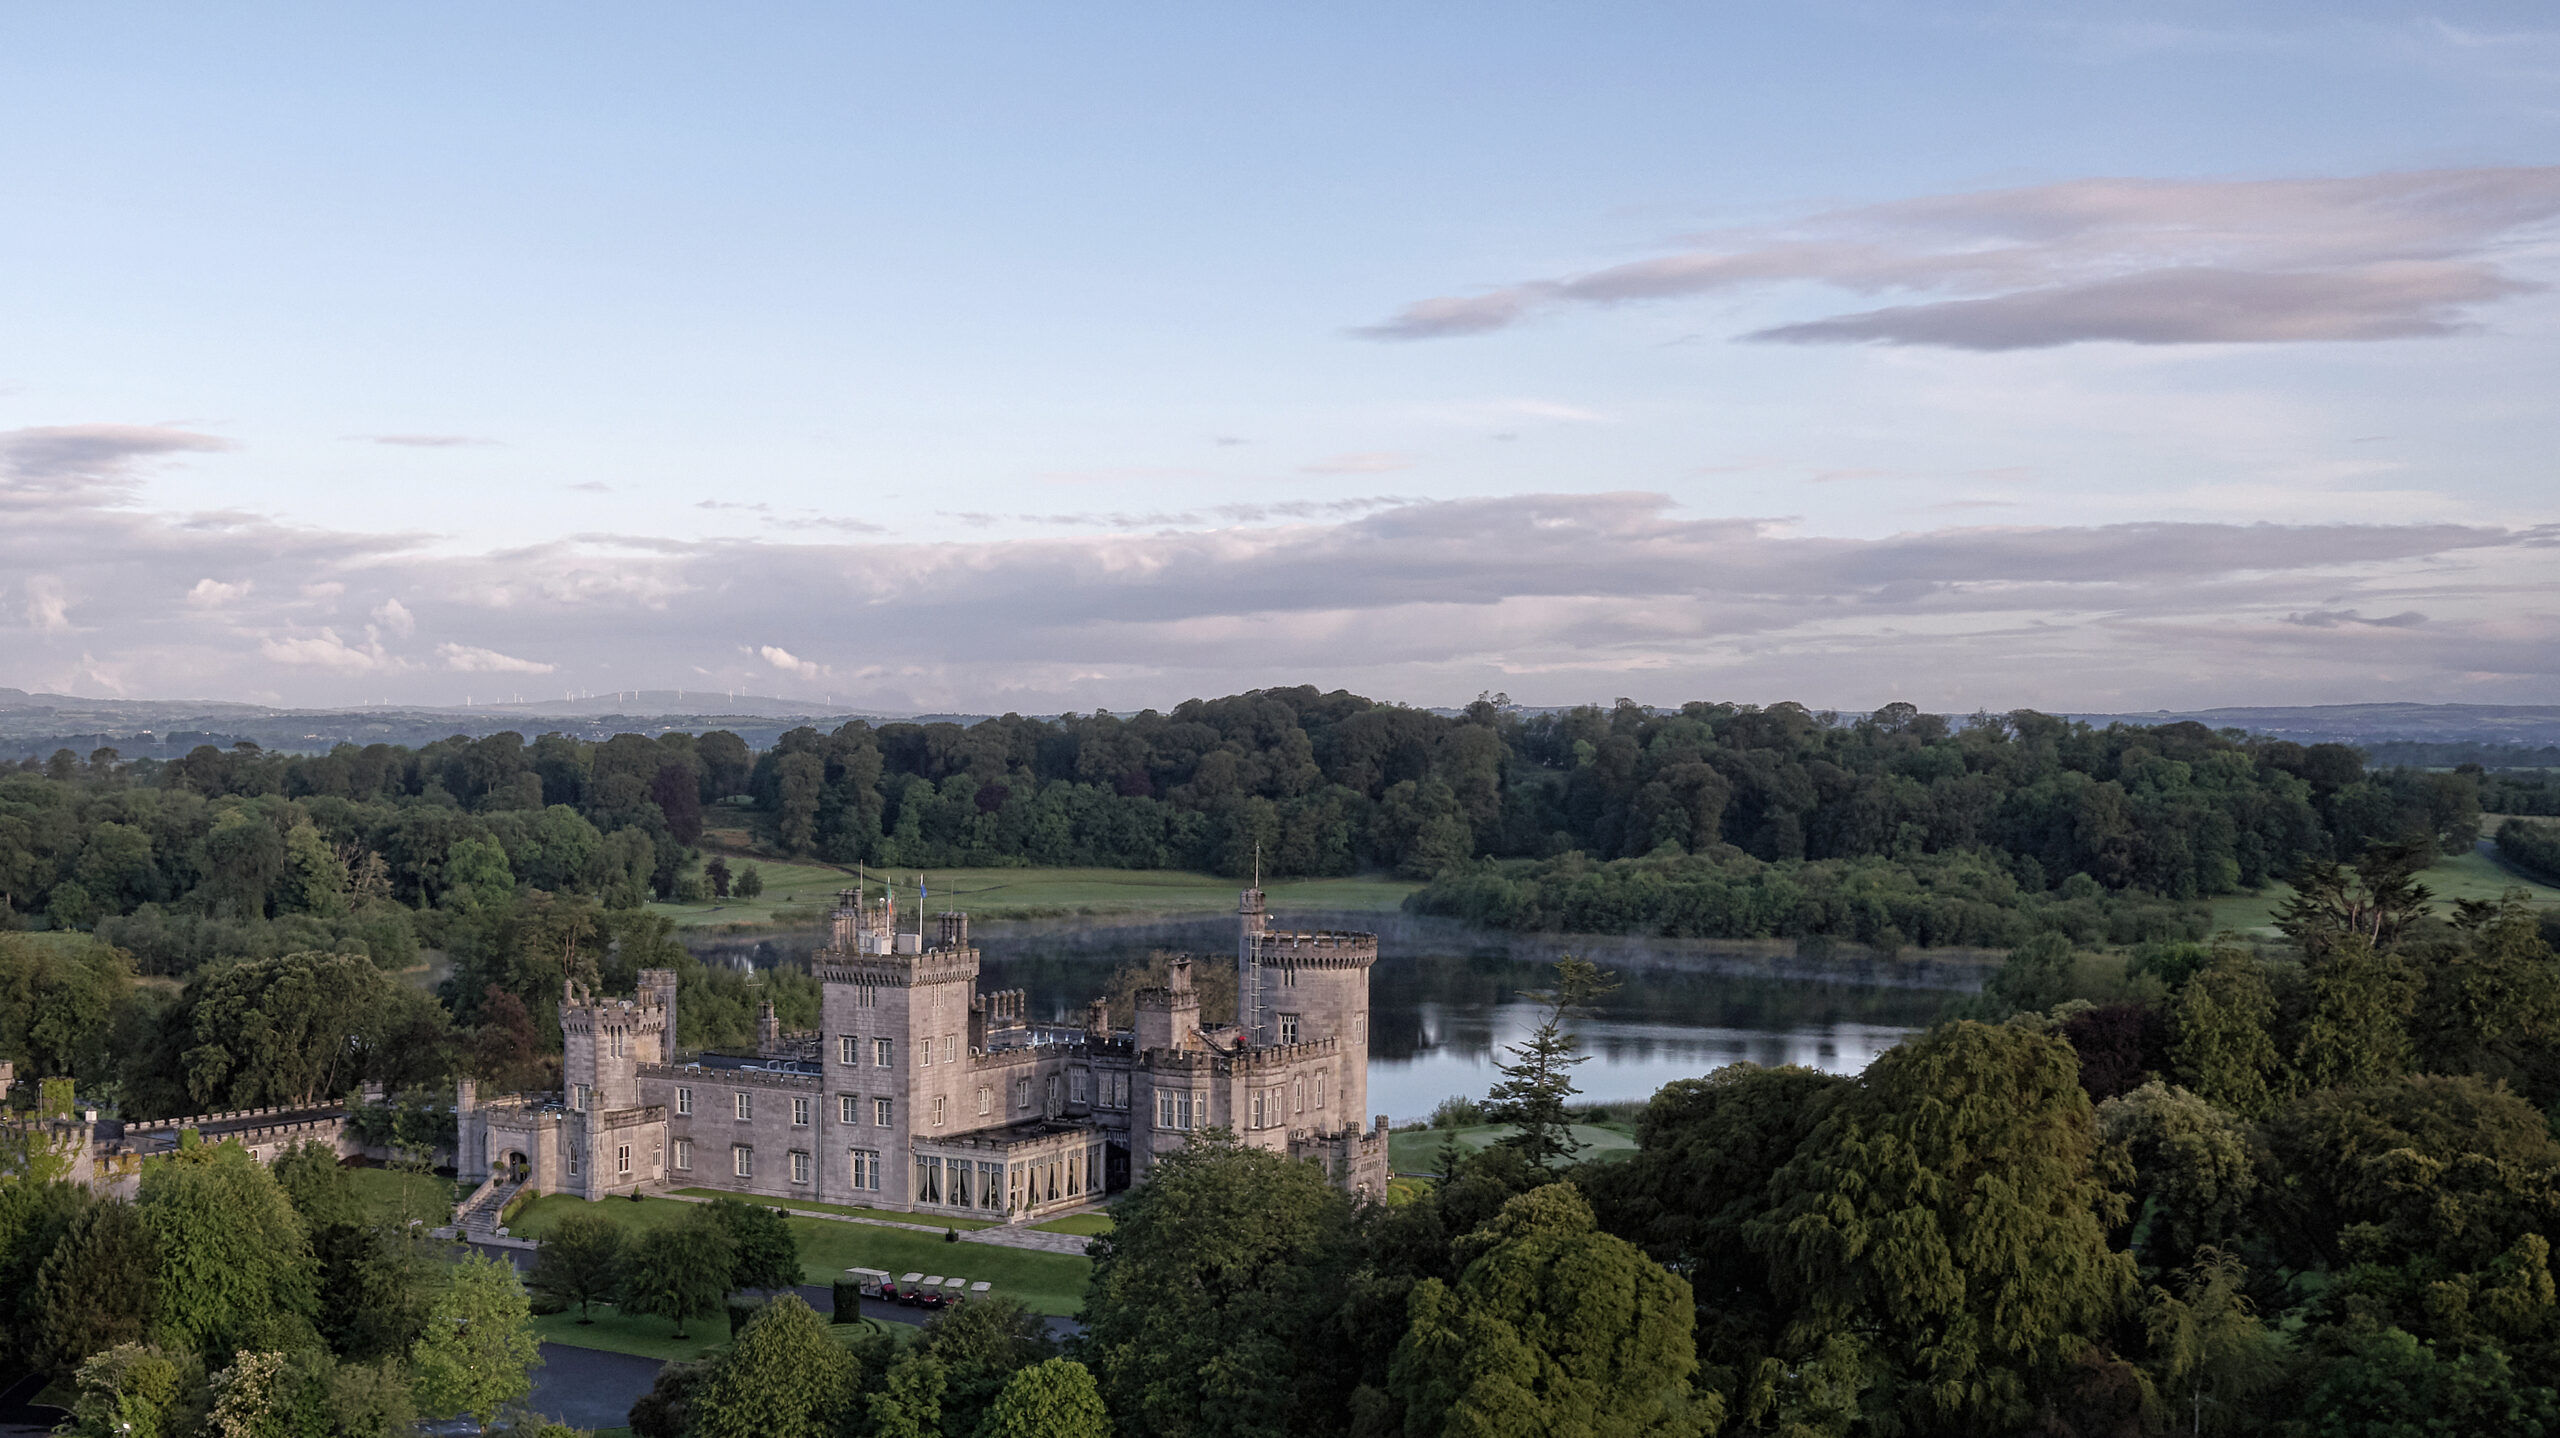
<point>1445,999</point>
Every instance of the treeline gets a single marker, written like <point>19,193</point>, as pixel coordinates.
<point>1792,821</point>
<point>1930,900</point>
<point>2534,848</point>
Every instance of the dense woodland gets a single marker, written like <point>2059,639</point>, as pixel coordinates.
<point>2148,1181</point>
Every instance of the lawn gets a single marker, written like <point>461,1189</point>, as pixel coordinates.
<point>1418,1150</point>
<point>1044,1282</point>
<point>392,1195</point>
<point>1091,1225</point>
<point>652,1337</point>
<point>2459,876</point>
<point>1035,893</point>
<point>932,1220</point>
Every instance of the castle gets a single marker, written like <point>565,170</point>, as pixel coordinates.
<point>922,1093</point>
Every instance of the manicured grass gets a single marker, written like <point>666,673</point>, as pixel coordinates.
<point>1031,893</point>
<point>1418,1150</point>
<point>1044,1282</point>
<point>1089,1224</point>
<point>391,1195</point>
<point>929,1220</point>
<point>2459,876</point>
<point>617,1332</point>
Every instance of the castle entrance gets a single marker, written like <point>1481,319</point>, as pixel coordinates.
<point>517,1166</point>
<point>1115,1167</point>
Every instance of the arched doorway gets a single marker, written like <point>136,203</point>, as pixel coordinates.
<point>516,1166</point>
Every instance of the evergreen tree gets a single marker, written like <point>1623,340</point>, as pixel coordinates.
<point>909,1403</point>
<point>2357,1033</point>
<point>1538,1082</point>
<point>234,1262</point>
<point>100,1287</point>
<point>785,1377</point>
<point>2219,1042</point>
<point>2185,1163</point>
<point>2212,1353</point>
<point>1052,1399</point>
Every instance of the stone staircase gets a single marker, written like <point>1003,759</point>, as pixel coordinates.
<point>478,1218</point>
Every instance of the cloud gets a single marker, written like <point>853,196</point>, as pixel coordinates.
<point>391,614</point>
<point>465,659</point>
<point>2141,261</point>
<point>788,662</point>
<point>48,610</point>
<point>325,650</point>
<point>213,593</point>
<point>1362,462</point>
<point>732,504</point>
<point>424,441</point>
<point>845,526</point>
<point>83,461</point>
<point>593,486</point>
<point>2332,618</point>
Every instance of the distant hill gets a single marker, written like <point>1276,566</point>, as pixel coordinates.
<point>2366,724</point>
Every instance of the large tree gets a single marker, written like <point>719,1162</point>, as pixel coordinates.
<point>1947,1219</point>
<point>235,1262</point>
<point>1538,1082</point>
<point>1207,1312</point>
<point>1055,1398</point>
<point>479,1350</point>
<point>981,1345</point>
<point>1553,1328</point>
<point>762,1252</point>
<point>680,1271</point>
<point>580,1262</point>
<point>785,1377</point>
<point>100,1286</point>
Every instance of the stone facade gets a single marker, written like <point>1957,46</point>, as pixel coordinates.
<point>922,1093</point>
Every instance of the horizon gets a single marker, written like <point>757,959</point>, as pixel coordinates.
<point>2082,361</point>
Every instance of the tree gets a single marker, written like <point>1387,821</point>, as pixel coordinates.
<point>2185,1162</point>
<point>296,1029</point>
<point>762,1252</point>
<point>785,1377</point>
<point>2212,1352</point>
<point>318,1187</point>
<point>981,1345</point>
<point>1209,1299</point>
<point>2036,976</point>
<point>680,1271</point>
<point>35,1214</point>
<point>909,1403</point>
<point>750,882</point>
<point>479,1350</point>
<point>2371,902</point>
<point>1553,1327</point>
<point>235,1262</point>
<point>1539,1080</point>
<point>125,1392</point>
<point>2361,1001</point>
<point>579,1262</point>
<point>2391,1383</point>
<point>2219,1043</point>
<point>250,1397</point>
<point>1055,1398</point>
<point>715,872</point>
<point>99,1288</point>
<point>1947,1213</point>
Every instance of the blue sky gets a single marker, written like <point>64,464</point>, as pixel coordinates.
<point>1983,356</point>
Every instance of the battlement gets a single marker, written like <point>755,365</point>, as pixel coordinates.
<point>897,970</point>
<point>1314,948</point>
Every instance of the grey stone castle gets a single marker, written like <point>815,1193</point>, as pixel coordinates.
<point>922,1093</point>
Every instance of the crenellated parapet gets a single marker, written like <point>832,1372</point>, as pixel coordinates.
<point>1315,948</point>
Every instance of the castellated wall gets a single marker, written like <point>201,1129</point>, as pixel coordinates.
<point>785,1115</point>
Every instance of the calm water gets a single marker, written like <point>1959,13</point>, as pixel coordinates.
<point>1445,999</point>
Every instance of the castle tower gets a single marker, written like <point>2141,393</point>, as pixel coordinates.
<point>1169,1016</point>
<point>659,986</point>
<point>603,1042</point>
<point>1252,1009</point>
<point>896,1045</point>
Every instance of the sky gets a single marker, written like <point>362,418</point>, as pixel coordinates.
<point>2089,357</point>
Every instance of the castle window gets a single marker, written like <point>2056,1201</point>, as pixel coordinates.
<point>939,1109</point>
<point>684,1154</point>
<point>1076,1082</point>
<point>1298,1095</point>
<point>746,1104</point>
<point>684,1100</point>
<point>799,1166</point>
<point>1257,1108</point>
<point>1164,1110</point>
<point>881,1054</point>
<point>582,1098</point>
<point>799,1112</point>
<point>880,1112</point>
<point>573,1160</point>
<point>866,1169</point>
<point>1319,1090</point>
<point>1288,1028</point>
<point>928,1179</point>
<point>924,1053</point>
<point>848,1050</point>
<point>848,1109</point>
<point>951,1048</point>
<point>742,1160</point>
<point>990,1185</point>
<point>1022,1093</point>
<point>986,1098</point>
<point>622,1158</point>
<point>960,1184</point>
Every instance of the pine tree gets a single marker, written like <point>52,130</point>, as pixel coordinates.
<point>1539,1080</point>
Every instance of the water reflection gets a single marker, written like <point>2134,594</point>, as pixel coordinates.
<point>1446,1000</point>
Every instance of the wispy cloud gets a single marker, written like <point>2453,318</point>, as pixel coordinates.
<point>470,659</point>
<point>425,441</point>
<point>1371,461</point>
<point>2143,261</point>
<point>79,462</point>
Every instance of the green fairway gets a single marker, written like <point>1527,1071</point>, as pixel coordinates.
<point>2459,876</point>
<point>1044,1282</point>
<point>392,1195</point>
<point>808,889</point>
<point>1418,1150</point>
